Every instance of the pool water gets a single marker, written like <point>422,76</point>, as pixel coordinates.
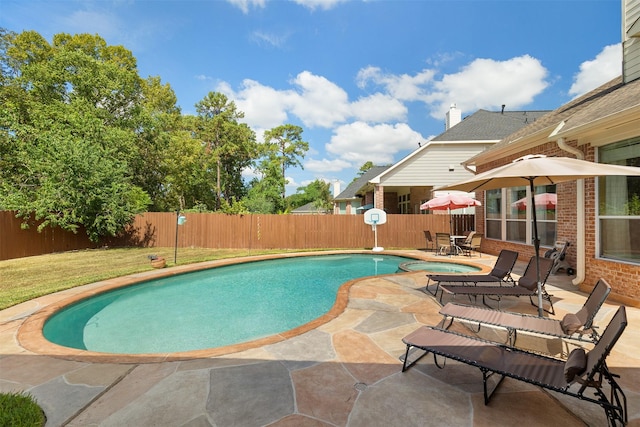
<point>438,267</point>
<point>212,308</point>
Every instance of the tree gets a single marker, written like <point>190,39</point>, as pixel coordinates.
<point>284,146</point>
<point>317,192</point>
<point>364,168</point>
<point>68,123</point>
<point>231,145</point>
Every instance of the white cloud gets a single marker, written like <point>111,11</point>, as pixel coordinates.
<point>605,66</point>
<point>320,102</point>
<point>326,165</point>
<point>403,87</point>
<point>360,142</point>
<point>264,106</point>
<point>318,4</point>
<point>244,5</point>
<point>487,83</point>
<point>270,39</point>
<point>379,108</point>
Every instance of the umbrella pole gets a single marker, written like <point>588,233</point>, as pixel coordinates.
<point>536,245</point>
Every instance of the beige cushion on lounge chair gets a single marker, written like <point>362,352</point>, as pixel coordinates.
<point>575,364</point>
<point>570,323</point>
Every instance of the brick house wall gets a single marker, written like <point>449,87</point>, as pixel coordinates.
<point>624,278</point>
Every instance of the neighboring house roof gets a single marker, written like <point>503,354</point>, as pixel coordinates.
<point>486,125</point>
<point>474,134</point>
<point>613,100</point>
<point>309,208</point>
<point>352,190</point>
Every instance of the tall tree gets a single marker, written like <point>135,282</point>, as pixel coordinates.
<point>285,146</point>
<point>68,122</point>
<point>230,144</point>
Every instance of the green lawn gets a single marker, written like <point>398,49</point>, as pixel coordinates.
<point>25,278</point>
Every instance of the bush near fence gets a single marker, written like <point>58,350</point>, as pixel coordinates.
<point>221,231</point>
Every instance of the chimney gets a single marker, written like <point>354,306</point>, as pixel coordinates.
<point>336,188</point>
<point>454,116</point>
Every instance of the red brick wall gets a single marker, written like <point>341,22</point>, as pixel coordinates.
<point>624,278</point>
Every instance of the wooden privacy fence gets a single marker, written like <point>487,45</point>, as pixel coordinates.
<point>218,231</point>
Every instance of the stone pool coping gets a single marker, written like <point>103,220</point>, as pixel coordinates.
<point>31,338</point>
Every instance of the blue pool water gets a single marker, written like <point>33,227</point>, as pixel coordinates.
<point>438,267</point>
<point>212,308</point>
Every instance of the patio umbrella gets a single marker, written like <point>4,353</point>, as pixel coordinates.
<point>450,202</point>
<point>536,170</point>
<point>546,200</point>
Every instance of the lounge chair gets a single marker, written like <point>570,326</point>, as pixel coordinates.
<point>526,286</point>
<point>575,326</point>
<point>500,273</point>
<point>581,371</point>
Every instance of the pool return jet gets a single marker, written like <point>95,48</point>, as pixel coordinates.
<point>375,217</point>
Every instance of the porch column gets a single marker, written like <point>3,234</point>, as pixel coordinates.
<point>378,197</point>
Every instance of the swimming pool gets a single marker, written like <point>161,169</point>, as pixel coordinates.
<point>439,267</point>
<point>214,307</point>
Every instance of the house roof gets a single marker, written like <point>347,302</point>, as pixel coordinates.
<point>489,125</point>
<point>352,189</point>
<point>308,208</point>
<point>610,99</point>
<point>481,127</point>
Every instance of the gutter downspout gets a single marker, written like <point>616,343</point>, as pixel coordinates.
<point>580,221</point>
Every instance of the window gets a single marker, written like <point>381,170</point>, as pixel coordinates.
<point>493,214</point>
<point>404,203</point>
<point>516,214</point>
<point>509,216</point>
<point>619,204</point>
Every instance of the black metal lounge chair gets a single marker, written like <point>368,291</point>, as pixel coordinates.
<point>581,371</point>
<point>526,286</point>
<point>500,273</point>
<point>575,326</point>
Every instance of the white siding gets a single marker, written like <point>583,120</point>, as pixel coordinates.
<point>431,167</point>
<point>630,45</point>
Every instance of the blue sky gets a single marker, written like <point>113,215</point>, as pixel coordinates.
<point>366,80</point>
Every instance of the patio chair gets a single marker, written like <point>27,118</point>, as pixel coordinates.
<point>558,254</point>
<point>574,326</point>
<point>526,286</point>
<point>430,243</point>
<point>582,371</point>
<point>472,245</point>
<point>443,243</point>
<point>500,273</point>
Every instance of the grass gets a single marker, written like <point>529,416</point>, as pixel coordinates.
<point>23,279</point>
<point>20,410</point>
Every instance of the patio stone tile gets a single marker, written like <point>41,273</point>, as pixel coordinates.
<point>348,319</point>
<point>411,399</point>
<point>251,395</point>
<point>98,375</point>
<point>370,304</point>
<point>32,370</point>
<point>296,420</point>
<point>528,408</point>
<point>60,401</point>
<point>140,379</point>
<point>308,349</point>
<point>173,401</point>
<point>384,320</point>
<point>326,392</point>
<point>366,361</point>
